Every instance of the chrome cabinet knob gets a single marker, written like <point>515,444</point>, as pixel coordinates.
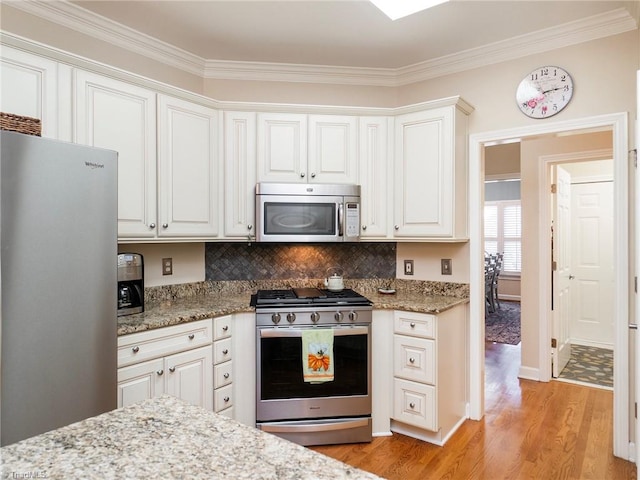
<point>313,175</point>
<point>275,318</point>
<point>226,399</point>
<point>364,227</point>
<point>160,372</point>
<point>226,375</point>
<point>353,316</point>
<point>338,316</point>
<point>225,328</point>
<point>172,369</point>
<point>165,225</point>
<point>291,317</point>
<point>249,227</point>
<point>301,174</point>
<point>412,360</point>
<point>397,227</point>
<point>412,325</point>
<point>315,316</point>
<point>135,349</point>
<point>225,351</point>
<point>412,405</point>
<point>192,336</point>
<point>152,225</point>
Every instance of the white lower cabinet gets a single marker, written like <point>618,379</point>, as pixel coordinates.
<point>222,365</point>
<point>429,374</point>
<point>176,360</point>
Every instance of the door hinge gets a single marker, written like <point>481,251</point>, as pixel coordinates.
<point>634,155</point>
<point>554,343</point>
<point>554,188</point>
<point>554,266</point>
<point>635,408</point>
<point>635,284</point>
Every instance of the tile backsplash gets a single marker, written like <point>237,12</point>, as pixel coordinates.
<point>275,261</point>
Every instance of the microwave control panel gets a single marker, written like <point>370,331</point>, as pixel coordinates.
<point>352,224</point>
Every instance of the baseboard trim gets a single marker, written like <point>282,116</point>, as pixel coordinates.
<point>529,373</point>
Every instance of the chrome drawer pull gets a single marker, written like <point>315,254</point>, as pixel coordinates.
<point>160,372</point>
<point>192,336</point>
<point>412,360</point>
<point>226,399</point>
<point>136,349</point>
<point>412,405</point>
<point>226,375</point>
<point>225,328</point>
<point>412,325</point>
<point>225,351</point>
<point>172,369</point>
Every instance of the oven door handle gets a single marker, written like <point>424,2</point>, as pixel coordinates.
<point>275,332</point>
<point>313,427</point>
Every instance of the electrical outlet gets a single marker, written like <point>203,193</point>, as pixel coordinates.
<point>167,266</point>
<point>445,266</point>
<point>408,267</point>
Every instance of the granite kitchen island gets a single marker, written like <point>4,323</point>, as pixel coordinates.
<point>165,438</point>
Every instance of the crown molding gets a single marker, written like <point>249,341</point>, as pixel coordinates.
<point>81,20</point>
<point>77,18</point>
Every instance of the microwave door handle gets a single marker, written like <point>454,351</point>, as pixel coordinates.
<point>341,219</point>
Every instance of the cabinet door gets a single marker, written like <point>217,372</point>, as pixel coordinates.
<point>414,359</point>
<point>282,147</point>
<point>240,174</point>
<point>188,171</point>
<point>424,185</point>
<point>374,175</point>
<point>140,381</point>
<point>415,403</point>
<point>333,149</point>
<point>122,117</point>
<point>190,376</point>
<point>29,88</point>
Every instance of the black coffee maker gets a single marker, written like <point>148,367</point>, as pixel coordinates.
<point>130,283</point>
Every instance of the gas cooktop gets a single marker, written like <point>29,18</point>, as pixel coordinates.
<point>307,296</point>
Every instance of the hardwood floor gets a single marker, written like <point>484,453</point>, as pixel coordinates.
<point>531,430</point>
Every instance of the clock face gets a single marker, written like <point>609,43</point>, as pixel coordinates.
<point>544,92</point>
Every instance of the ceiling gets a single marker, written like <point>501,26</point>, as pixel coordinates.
<point>351,33</point>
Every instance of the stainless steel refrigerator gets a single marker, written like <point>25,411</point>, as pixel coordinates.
<point>58,286</point>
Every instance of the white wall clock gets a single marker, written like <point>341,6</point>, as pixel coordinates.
<point>544,92</point>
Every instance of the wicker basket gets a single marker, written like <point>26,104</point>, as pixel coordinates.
<point>18,123</point>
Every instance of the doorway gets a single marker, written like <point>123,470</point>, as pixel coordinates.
<point>582,342</point>
<point>534,350</point>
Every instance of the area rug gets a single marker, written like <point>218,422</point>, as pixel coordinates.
<point>589,365</point>
<point>503,325</point>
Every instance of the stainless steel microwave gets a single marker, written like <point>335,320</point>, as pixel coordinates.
<point>307,212</point>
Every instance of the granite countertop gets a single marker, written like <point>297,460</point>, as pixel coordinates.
<point>166,438</point>
<point>160,314</point>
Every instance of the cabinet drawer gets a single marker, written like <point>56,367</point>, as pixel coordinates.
<point>222,374</point>
<point>222,327</point>
<point>414,404</point>
<point>221,351</point>
<point>414,358</point>
<point>415,324</point>
<point>223,398</point>
<point>139,347</point>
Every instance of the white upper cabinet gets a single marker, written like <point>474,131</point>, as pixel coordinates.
<point>188,170</point>
<point>333,149</point>
<point>240,174</point>
<point>375,172</point>
<point>282,147</point>
<point>299,148</point>
<point>29,87</point>
<point>431,175</point>
<point>122,117</point>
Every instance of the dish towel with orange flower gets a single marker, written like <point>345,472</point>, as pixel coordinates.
<point>317,355</point>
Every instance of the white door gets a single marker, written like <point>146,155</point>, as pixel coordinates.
<point>333,149</point>
<point>122,117</point>
<point>562,277</point>
<point>282,147</point>
<point>140,382</point>
<point>592,264</point>
<point>636,373</point>
<point>190,376</point>
<point>188,172</point>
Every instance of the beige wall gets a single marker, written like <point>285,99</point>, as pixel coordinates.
<point>427,256</point>
<point>502,160</point>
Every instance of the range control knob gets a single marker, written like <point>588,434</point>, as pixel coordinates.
<point>315,316</point>
<point>338,316</point>
<point>275,318</point>
<point>291,317</point>
<point>353,316</point>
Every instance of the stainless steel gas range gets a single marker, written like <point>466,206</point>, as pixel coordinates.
<point>314,365</point>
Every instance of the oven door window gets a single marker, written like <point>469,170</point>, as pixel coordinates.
<point>281,368</point>
<point>300,218</point>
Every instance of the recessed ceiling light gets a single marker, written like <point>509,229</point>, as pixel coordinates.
<point>395,9</point>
